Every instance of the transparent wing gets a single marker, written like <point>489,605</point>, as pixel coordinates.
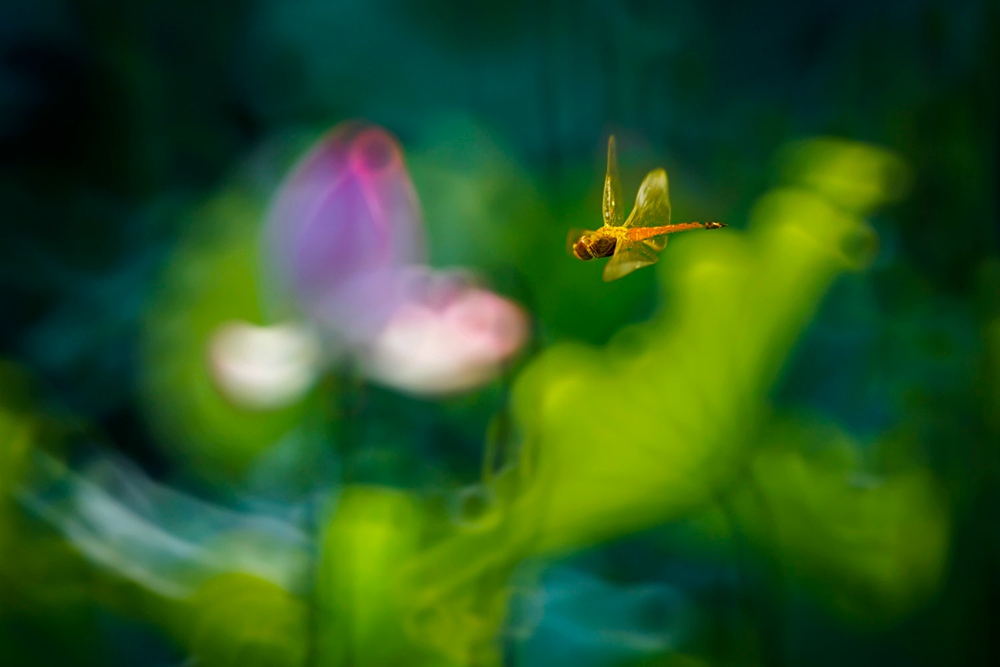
<point>657,243</point>
<point>612,205</point>
<point>652,204</point>
<point>628,258</point>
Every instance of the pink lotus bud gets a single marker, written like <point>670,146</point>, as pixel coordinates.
<point>342,225</point>
<point>346,238</point>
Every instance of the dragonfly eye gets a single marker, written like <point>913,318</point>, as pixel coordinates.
<point>581,250</point>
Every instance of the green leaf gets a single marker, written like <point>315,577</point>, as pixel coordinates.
<point>239,619</point>
<point>871,546</point>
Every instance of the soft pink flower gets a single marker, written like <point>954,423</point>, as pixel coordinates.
<point>445,340</point>
<point>346,239</point>
<point>341,227</point>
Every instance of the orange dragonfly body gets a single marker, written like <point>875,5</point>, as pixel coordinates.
<point>636,241</point>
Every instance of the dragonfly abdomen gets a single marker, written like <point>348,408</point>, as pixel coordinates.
<point>643,233</point>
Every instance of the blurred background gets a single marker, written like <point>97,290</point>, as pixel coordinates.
<point>295,368</point>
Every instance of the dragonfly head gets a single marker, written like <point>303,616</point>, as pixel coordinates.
<point>594,245</point>
<point>581,248</point>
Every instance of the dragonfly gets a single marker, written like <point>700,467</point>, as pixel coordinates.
<point>637,241</point>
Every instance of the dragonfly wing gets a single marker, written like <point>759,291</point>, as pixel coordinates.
<point>612,204</point>
<point>652,204</point>
<point>657,243</point>
<point>628,258</point>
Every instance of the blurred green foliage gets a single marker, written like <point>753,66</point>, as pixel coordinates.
<point>874,544</point>
<point>361,598</point>
<point>238,619</point>
<point>212,280</point>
